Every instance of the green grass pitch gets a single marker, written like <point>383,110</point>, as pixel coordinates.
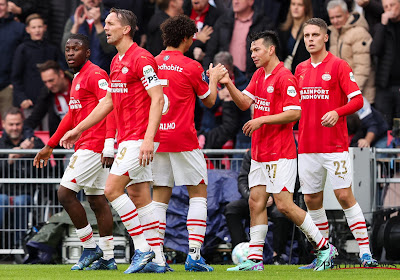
<point>61,272</point>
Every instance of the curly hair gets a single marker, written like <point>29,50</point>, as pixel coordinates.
<point>177,28</point>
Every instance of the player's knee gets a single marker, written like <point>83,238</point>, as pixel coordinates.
<point>109,193</point>
<point>284,208</point>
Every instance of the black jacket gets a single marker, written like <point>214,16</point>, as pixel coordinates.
<point>222,35</point>
<point>154,41</point>
<point>243,178</point>
<point>211,18</point>
<point>384,48</point>
<point>25,75</point>
<point>301,53</point>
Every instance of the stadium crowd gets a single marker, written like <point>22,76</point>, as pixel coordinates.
<point>36,78</point>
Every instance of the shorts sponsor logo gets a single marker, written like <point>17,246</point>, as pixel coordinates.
<point>103,84</point>
<point>270,89</point>
<point>124,70</point>
<point>291,91</point>
<point>77,87</point>
<point>147,70</point>
<point>326,77</point>
<point>352,77</point>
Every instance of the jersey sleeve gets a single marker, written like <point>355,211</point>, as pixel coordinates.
<point>111,126</point>
<point>63,127</point>
<point>99,83</point>
<point>198,79</point>
<point>290,93</point>
<point>347,81</point>
<point>147,70</point>
<point>250,90</point>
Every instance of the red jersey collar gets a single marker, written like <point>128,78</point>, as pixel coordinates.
<point>131,49</point>
<point>276,69</point>
<point>85,66</point>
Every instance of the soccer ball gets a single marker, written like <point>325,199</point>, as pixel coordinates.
<point>240,253</point>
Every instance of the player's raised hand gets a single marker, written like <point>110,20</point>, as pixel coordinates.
<point>42,157</point>
<point>251,126</point>
<point>146,153</point>
<point>330,119</point>
<point>69,139</point>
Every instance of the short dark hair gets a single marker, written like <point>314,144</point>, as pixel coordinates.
<point>318,22</point>
<point>127,18</point>
<point>49,64</point>
<point>270,38</point>
<point>81,37</point>
<point>13,111</point>
<point>162,4</point>
<point>177,28</point>
<point>225,58</point>
<point>32,17</point>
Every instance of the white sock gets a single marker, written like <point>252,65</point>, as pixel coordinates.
<point>86,236</point>
<point>129,217</point>
<point>321,221</point>
<point>257,240</point>
<point>150,227</point>
<point>356,221</point>
<point>106,244</point>
<point>312,233</point>
<point>196,225</point>
<point>160,211</point>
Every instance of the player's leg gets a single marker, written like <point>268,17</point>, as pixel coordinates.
<point>197,225</point>
<point>258,229</point>
<point>325,251</point>
<point>126,209</point>
<point>100,207</point>
<point>139,193</point>
<point>189,168</point>
<point>91,252</point>
<point>340,177</point>
<point>126,171</point>
<point>161,197</point>
<point>312,176</point>
<point>356,221</point>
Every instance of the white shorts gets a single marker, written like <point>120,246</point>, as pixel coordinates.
<point>318,168</point>
<point>86,172</point>
<point>275,175</point>
<point>183,168</point>
<point>127,162</point>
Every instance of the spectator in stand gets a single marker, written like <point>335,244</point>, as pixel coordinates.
<point>372,11</point>
<point>12,138</point>
<point>53,98</point>
<point>25,76</point>
<point>368,127</point>
<point>88,19</point>
<point>385,46</point>
<point>275,9</point>
<point>291,34</point>
<point>231,34</point>
<point>167,9</point>
<point>12,34</point>
<point>205,16</point>
<point>350,41</point>
<point>21,8</point>
<point>141,9</point>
